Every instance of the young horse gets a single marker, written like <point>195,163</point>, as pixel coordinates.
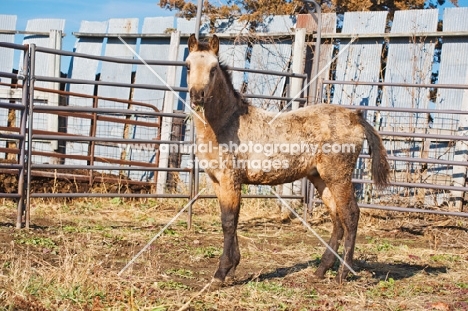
<point>320,142</point>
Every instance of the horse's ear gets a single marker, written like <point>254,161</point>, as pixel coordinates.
<point>192,43</point>
<point>214,44</point>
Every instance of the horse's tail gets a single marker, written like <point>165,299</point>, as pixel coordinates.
<point>380,167</point>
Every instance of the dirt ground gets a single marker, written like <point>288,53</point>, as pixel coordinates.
<point>70,259</point>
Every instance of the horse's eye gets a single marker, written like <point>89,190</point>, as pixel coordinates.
<point>188,67</point>
<point>213,70</point>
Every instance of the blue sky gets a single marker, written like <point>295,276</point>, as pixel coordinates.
<point>74,11</point>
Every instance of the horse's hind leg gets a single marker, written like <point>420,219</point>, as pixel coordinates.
<point>348,212</point>
<point>328,258</point>
<point>229,201</point>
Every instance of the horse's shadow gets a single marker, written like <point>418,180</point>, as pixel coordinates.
<point>278,272</point>
<point>378,270</point>
<point>398,271</point>
<point>31,226</point>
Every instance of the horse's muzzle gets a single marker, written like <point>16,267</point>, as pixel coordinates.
<point>197,97</point>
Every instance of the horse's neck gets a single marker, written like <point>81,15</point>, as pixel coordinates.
<point>220,112</point>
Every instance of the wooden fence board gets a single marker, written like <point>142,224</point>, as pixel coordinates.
<point>7,22</point>
<point>453,70</point>
<point>42,59</point>
<point>150,49</point>
<point>153,49</point>
<point>361,60</point>
<point>166,125</point>
<point>409,62</point>
<point>86,69</point>
<point>114,72</point>
<point>270,55</point>
<point>43,64</point>
<point>233,52</point>
<point>309,22</point>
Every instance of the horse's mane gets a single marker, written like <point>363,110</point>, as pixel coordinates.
<point>204,46</point>
<point>228,76</point>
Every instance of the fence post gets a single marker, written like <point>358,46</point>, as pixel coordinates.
<point>22,143</point>
<point>166,126</point>
<point>295,90</point>
<point>55,42</point>
<point>32,72</point>
<point>318,42</point>
<point>194,175</point>
<point>461,154</point>
<point>298,65</point>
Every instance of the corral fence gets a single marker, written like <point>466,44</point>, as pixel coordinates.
<point>117,124</point>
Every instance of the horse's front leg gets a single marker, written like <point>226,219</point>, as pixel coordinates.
<point>229,201</point>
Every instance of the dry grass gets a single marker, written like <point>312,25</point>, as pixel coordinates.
<point>71,257</point>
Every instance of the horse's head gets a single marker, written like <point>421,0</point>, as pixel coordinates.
<point>202,67</point>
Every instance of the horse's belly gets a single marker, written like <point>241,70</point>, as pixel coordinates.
<point>272,179</point>
<point>276,171</point>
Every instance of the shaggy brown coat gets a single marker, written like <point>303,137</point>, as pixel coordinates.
<point>225,121</point>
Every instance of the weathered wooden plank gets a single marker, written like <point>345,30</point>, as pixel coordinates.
<point>269,55</point>
<point>114,72</point>
<point>453,70</point>
<point>7,22</point>
<point>83,68</point>
<point>42,59</point>
<point>459,173</point>
<point>42,67</point>
<point>309,22</point>
<point>409,62</point>
<point>297,66</point>
<point>150,49</point>
<point>276,56</point>
<point>233,52</point>
<point>361,61</point>
<point>166,126</point>
<point>86,69</point>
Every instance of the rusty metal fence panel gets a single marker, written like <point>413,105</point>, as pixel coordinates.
<point>453,70</point>
<point>95,170</point>
<point>426,171</point>
<point>139,118</point>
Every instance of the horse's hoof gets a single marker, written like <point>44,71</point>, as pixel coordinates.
<point>230,279</point>
<point>319,274</point>
<point>216,284</point>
